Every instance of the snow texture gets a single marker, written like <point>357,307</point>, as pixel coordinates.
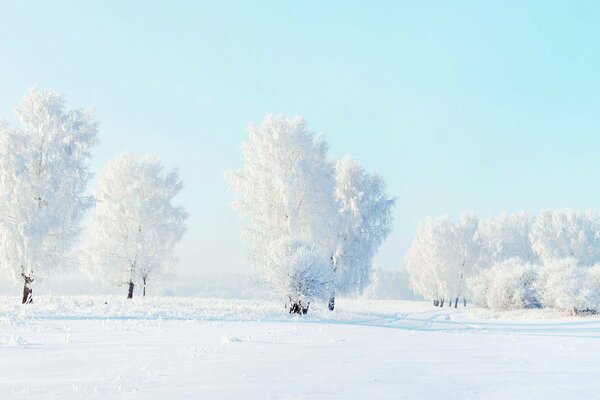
<point>111,348</point>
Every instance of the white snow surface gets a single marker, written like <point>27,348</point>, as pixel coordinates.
<point>192,348</point>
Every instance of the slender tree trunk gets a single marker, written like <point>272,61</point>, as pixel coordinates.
<point>145,279</point>
<point>456,303</point>
<point>27,289</point>
<point>436,303</point>
<point>442,303</point>
<point>130,291</point>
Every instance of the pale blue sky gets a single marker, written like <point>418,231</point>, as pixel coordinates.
<point>483,106</point>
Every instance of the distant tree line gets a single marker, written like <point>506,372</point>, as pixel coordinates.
<point>512,261</point>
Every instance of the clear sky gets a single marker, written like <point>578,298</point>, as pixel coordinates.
<point>483,106</point>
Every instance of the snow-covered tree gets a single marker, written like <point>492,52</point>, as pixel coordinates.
<point>442,256</point>
<point>285,195</point>
<point>300,271</point>
<point>508,285</point>
<point>135,226</point>
<point>558,234</point>
<point>365,220</point>
<point>504,237</point>
<point>43,179</point>
<point>566,285</point>
<point>552,261</point>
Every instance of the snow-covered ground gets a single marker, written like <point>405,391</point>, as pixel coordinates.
<point>108,347</point>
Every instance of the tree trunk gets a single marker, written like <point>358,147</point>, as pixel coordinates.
<point>464,302</point>
<point>130,291</point>
<point>144,294</point>
<point>296,307</point>
<point>27,289</point>
<point>456,303</point>
<point>442,303</point>
<point>331,304</point>
<point>436,303</point>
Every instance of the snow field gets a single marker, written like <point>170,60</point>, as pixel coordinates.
<point>79,347</point>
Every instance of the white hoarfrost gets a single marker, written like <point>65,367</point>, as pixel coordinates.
<point>567,233</point>
<point>505,237</point>
<point>505,286</point>
<point>442,256</point>
<point>299,270</point>
<point>43,179</point>
<point>305,216</point>
<point>523,262</point>
<point>135,226</point>
<point>365,222</point>
<point>565,285</point>
<point>284,194</point>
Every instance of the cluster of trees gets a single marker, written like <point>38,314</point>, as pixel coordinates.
<point>311,225</point>
<point>44,177</point>
<point>511,261</point>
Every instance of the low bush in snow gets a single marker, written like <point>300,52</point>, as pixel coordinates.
<point>299,272</point>
<point>505,286</point>
<point>564,284</point>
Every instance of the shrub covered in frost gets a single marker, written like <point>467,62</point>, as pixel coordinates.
<point>566,285</point>
<point>298,271</point>
<point>505,286</point>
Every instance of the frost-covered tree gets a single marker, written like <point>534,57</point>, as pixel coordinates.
<point>566,285</point>
<point>135,226</point>
<point>558,234</point>
<point>43,179</point>
<point>508,285</point>
<point>505,237</point>
<point>442,256</point>
<point>284,194</point>
<point>365,220</point>
<point>299,270</point>
<point>522,262</point>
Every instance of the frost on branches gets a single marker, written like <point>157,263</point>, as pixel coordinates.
<point>567,233</point>
<point>509,285</point>
<point>304,219</point>
<point>566,285</point>
<point>552,260</point>
<point>365,222</point>
<point>135,226</point>
<point>442,256</point>
<point>43,178</point>
<point>284,193</point>
<point>300,270</point>
<point>506,237</point>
